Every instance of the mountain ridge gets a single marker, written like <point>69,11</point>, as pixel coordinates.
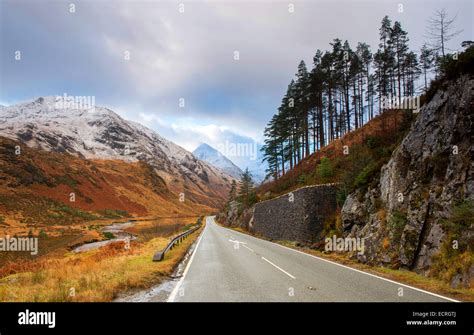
<point>211,155</point>
<point>100,133</point>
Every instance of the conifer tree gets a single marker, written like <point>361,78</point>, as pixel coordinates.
<point>246,187</point>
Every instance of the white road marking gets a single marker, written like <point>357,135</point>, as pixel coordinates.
<point>180,282</point>
<point>279,268</point>
<point>348,267</point>
<point>370,274</point>
<point>238,242</point>
<point>248,248</point>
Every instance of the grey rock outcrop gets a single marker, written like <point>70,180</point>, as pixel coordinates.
<point>432,169</point>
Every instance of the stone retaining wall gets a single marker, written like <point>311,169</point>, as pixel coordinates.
<point>295,216</point>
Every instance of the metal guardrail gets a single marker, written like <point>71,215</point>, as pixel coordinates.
<point>176,240</point>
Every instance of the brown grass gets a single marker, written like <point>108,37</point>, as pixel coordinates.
<point>97,275</point>
<point>382,215</point>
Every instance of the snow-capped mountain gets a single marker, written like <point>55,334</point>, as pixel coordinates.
<point>208,154</point>
<point>99,133</point>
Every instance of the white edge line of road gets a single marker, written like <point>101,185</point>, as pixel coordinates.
<point>360,271</point>
<point>172,296</point>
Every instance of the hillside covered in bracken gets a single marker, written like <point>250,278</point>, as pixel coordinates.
<point>40,187</point>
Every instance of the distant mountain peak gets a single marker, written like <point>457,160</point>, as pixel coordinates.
<point>205,146</point>
<point>209,154</point>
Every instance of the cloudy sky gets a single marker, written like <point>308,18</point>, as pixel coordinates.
<point>189,55</point>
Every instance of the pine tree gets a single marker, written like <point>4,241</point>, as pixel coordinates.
<point>365,57</point>
<point>302,108</point>
<point>329,85</point>
<point>322,104</point>
<point>399,42</point>
<point>412,72</point>
<point>384,60</point>
<point>317,100</point>
<point>246,187</point>
<point>426,62</point>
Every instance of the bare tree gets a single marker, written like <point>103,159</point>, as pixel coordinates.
<point>439,31</point>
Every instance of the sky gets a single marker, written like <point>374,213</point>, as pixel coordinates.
<point>208,71</point>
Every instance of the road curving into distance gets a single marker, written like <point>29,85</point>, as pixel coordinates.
<point>228,266</point>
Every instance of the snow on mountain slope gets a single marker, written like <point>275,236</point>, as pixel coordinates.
<point>257,167</point>
<point>254,163</point>
<point>99,133</point>
<point>208,154</point>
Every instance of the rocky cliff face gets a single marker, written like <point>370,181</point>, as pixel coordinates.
<point>432,170</point>
<point>236,215</point>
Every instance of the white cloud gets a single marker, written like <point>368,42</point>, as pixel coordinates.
<point>150,118</point>
<point>189,55</point>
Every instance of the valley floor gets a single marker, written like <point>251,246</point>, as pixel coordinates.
<point>95,275</point>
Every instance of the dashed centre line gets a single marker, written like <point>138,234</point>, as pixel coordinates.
<point>248,248</point>
<point>243,244</point>
<point>279,268</point>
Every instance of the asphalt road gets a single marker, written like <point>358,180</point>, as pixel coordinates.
<point>230,266</point>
